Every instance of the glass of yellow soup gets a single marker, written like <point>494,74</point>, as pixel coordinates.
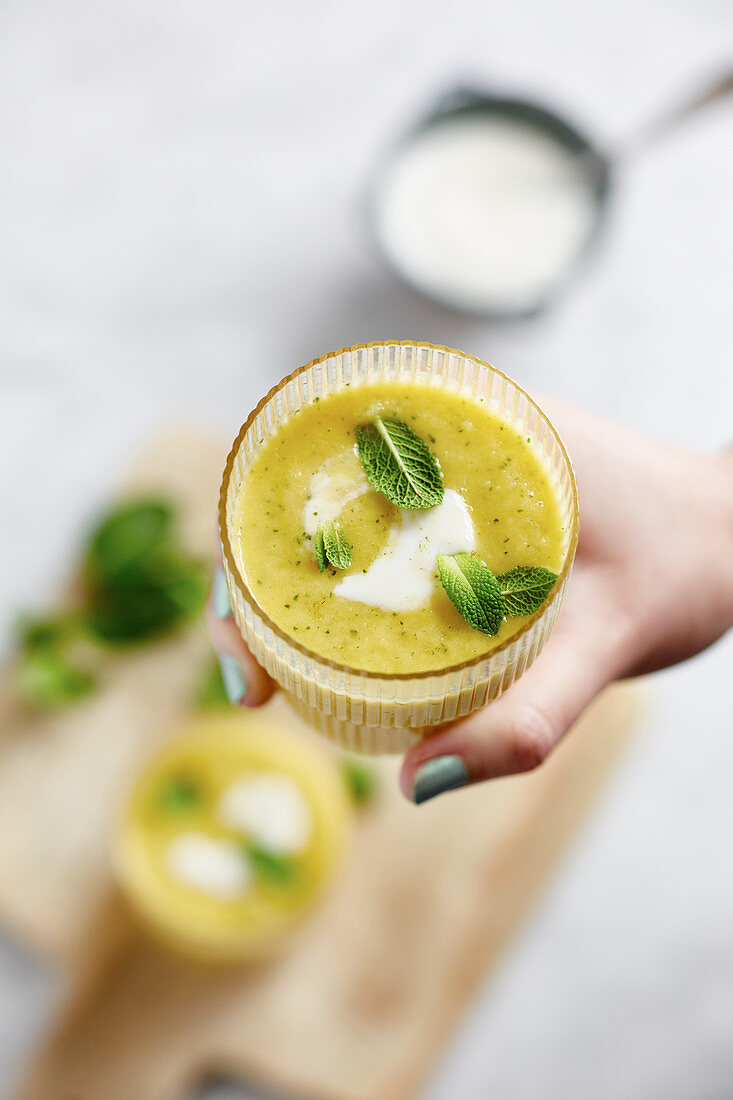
<point>230,836</point>
<point>377,654</point>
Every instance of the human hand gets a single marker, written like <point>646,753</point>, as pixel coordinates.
<point>245,681</point>
<point>652,584</point>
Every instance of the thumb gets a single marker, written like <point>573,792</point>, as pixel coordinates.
<point>245,681</point>
<point>517,731</point>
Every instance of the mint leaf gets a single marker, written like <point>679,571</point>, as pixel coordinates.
<point>271,869</point>
<point>46,676</point>
<point>139,583</point>
<point>34,632</point>
<point>361,781</point>
<point>46,679</point>
<point>473,590</point>
<point>336,545</point>
<point>399,464</point>
<point>126,535</point>
<point>332,546</point>
<point>526,588</point>
<point>155,595</point>
<point>319,549</point>
<point>179,793</point>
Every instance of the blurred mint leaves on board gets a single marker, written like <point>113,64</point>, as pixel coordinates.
<point>138,584</point>
<point>46,678</point>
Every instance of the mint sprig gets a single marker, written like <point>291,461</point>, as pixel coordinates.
<point>47,673</point>
<point>525,588</point>
<point>473,590</point>
<point>361,781</point>
<point>319,549</point>
<point>47,679</point>
<point>331,546</point>
<point>178,794</point>
<point>271,869</point>
<point>138,584</point>
<point>399,464</point>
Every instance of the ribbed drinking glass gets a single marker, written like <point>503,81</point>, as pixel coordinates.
<point>388,712</point>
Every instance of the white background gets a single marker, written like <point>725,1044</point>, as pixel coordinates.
<point>180,190</point>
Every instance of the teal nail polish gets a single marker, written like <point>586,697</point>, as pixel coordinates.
<point>235,684</point>
<point>442,773</point>
<point>220,596</point>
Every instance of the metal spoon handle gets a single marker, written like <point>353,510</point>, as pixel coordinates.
<point>659,126</point>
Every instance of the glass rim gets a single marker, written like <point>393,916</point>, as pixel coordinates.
<point>351,670</point>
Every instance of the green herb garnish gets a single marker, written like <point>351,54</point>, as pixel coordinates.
<point>319,549</point>
<point>47,679</point>
<point>473,590</point>
<point>331,546</point>
<point>271,869</point>
<point>399,464</point>
<point>360,780</point>
<point>525,588</point>
<point>126,537</point>
<point>42,633</point>
<point>178,794</point>
<point>138,585</point>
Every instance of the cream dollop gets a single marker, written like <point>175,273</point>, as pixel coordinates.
<point>487,211</point>
<point>340,480</point>
<point>213,866</point>
<point>402,576</point>
<point>271,810</point>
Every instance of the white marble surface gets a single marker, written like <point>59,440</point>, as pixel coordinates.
<point>179,218</point>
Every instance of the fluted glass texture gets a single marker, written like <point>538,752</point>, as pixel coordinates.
<point>368,711</point>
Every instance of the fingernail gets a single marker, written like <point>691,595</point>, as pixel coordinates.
<point>235,684</point>
<point>442,773</point>
<point>220,596</point>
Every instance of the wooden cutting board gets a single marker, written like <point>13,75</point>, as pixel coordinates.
<point>63,776</point>
<point>359,1004</point>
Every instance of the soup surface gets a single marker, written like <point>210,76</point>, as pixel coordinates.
<point>230,833</point>
<point>388,611</point>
